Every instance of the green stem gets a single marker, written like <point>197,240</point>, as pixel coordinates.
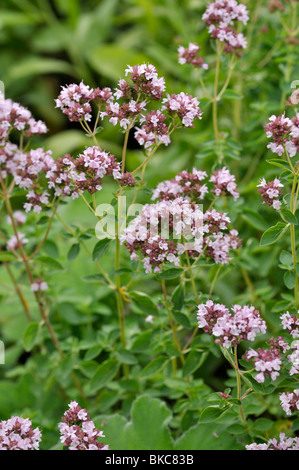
<point>239,387</point>
<point>173,327</point>
<point>293,241</point>
<point>215,100</point>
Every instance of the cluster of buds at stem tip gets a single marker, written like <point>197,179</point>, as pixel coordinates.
<point>221,16</point>
<point>78,432</point>
<point>190,55</point>
<point>17,433</point>
<point>284,133</point>
<point>271,192</point>
<point>229,329</point>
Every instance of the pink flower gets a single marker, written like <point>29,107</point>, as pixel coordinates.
<point>271,192</point>
<point>224,183</point>
<point>39,285</point>
<point>230,330</point>
<point>75,100</point>
<point>183,106</point>
<point>221,17</point>
<point>190,55</point>
<point>290,402</point>
<point>13,242</point>
<point>17,434</point>
<point>285,443</point>
<point>14,116</point>
<point>78,432</point>
<point>285,134</point>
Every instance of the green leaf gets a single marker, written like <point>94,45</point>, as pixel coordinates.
<point>279,162</point>
<point>69,313</point>
<point>286,258</point>
<point>51,249</point>
<point>172,273</point>
<point>273,234</point>
<point>178,297</point>
<point>110,60</point>
<point>93,352</point>
<point>288,216</point>
<point>154,367</point>
<point>289,279</point>
<point>125,357</point>
<point>193,362</point>
<point>262,424</point>
<point>142,342</point>
<point>7,256</point>
<point>104,374</point>
<point>36,66</point>
<point>50,263</point>
<point>144,302</point>
<point>254,219</point>
<point>89,368</point>
<point>206,437</point>
<point>73,252</point>
<point>100,248</point>
<point>212,413</point>
<point>182,319</point>
<point>29,336</point>
<point>231,95</point>
<point>148,429</point>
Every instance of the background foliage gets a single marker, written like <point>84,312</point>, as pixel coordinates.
<point>45,45</point>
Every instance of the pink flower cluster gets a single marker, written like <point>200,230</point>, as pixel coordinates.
<point>75,100</point>
<point>39,285</point>
<point>182,106</point>
<point>68,175</point>
<point>271,192</point>
<point>157,233</point>
<point>243,324</point>
<point>224,183</point>
<point>123,114</point>
<point>190,55</point>
<point>17,434</point>
<point>291,324</point>
<point>290,402</point>
<point>217,240</point>
<point>13,242</point>
<point>187,184</point>
<point>191,185</point>
<point>221,16</point>
<point>285,443</point>
<point>267,362</point>
<point>19,217</point>
<point>13,116</point>
<point>293,358</point>
<point>78,432</point>
<point>154,130</point>
<point>284,133</point>
<point>146,81</point>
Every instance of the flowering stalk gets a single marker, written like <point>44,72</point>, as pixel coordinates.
<point>37,295</point>
<point>293,241</point>
<point>173,328</point>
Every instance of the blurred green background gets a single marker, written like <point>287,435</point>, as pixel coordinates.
<point>46,44</point>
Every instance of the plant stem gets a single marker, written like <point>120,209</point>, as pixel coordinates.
<point>69,229</point>
<point>216,83</point>
<point>19,292</point>
<point>172,324</point>
<point>119,298</point>
<point>239,387</point>
<point>293,241</point>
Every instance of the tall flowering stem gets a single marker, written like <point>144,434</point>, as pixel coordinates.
<point>293,238</point>
<point>173,328</point>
